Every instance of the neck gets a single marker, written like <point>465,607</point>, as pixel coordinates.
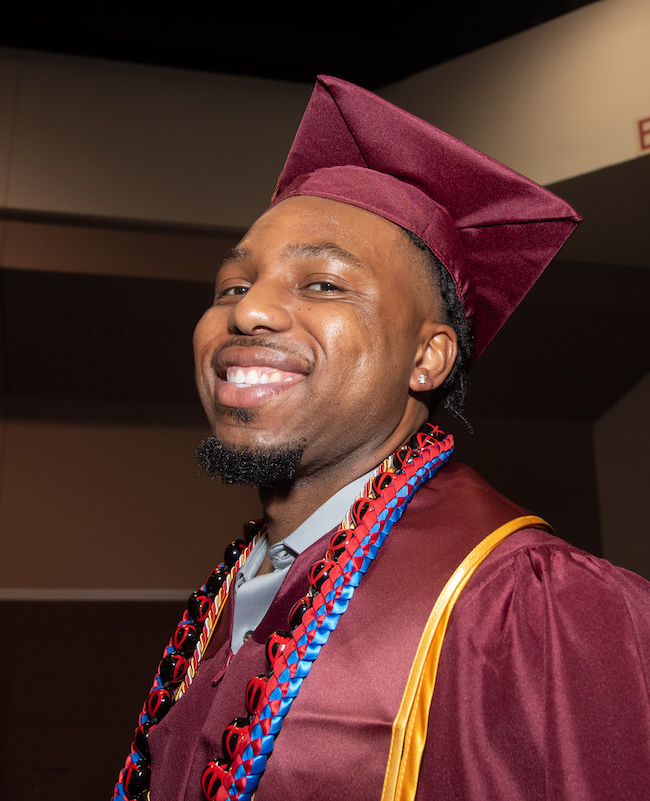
<point>289,505</point>
<point>286,507</point>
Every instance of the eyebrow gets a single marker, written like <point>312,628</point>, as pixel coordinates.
<point>234,256</point>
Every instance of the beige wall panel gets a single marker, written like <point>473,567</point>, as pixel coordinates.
<point>131,141</point>
<point>622,438</point>
<point>88,506</point>
<point>189,256</point>
<point>120,140</point>
<point>556,101</point>
<point>106,508</point>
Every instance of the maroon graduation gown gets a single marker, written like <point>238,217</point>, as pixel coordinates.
<point>542,688</point>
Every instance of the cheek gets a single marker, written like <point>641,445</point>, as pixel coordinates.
<point>368,347</point>
<point>348,327</point>
<point>202,341</point>
<point>208,332</point>
<point>202,331</point>
<point>346,343</point>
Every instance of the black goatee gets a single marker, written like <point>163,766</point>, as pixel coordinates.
<point>255,466</point>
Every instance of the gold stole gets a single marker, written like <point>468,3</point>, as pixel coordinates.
<point>410,726</point>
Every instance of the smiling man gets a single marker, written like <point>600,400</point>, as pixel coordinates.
<point>319,354</point>
<point>393,628</point>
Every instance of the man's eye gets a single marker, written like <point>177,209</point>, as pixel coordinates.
<point>232,290</point>
<point>323,286</point>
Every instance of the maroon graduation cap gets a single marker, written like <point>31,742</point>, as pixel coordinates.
<point>494,230</point>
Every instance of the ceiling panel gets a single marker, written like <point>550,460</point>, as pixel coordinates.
<point>287,42</point>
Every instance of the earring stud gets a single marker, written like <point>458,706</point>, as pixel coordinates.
<point>422,379</point>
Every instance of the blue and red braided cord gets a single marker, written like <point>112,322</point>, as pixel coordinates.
<point>293,663</point>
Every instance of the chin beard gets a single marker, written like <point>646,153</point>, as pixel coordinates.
<point>256,466</point>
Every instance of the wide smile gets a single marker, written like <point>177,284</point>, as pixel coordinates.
<point>249,376</point>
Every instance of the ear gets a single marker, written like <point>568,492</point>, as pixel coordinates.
<point>435,357</point>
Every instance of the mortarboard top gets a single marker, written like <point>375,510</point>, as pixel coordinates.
<point>494,230</point>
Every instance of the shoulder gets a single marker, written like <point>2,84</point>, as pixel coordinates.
<point>536,584</point>
<point>529,564</point>
<point>535,563</point>
<point>570,628</point>
<point>545,668</point>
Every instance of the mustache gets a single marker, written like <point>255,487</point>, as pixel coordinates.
<point>251,342</point>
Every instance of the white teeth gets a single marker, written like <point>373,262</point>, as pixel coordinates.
<point>251,377</point>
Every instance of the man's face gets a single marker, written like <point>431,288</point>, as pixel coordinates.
<point>313,336</point>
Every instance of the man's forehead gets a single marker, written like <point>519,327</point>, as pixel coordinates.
<point>316,227</point>
<point>297,250</point>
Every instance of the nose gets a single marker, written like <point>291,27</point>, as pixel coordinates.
<point>264,307</point>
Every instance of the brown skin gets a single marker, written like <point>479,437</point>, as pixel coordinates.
<point>354,322</point>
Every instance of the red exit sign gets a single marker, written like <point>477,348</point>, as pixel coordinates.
<point>644,133</point>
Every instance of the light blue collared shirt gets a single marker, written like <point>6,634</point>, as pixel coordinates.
<point>254,594</point>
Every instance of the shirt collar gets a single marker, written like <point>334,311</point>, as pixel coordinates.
<point>324,519</point>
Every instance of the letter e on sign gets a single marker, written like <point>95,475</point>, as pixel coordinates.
<point>644,133</point>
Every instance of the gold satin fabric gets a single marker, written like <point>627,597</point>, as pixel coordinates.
<point>410,726</point>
